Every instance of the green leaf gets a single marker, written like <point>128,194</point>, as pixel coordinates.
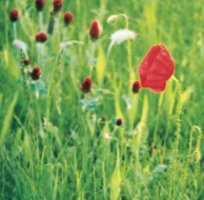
<point>116,179</point>
<point>7,120</point>
<point>100,66</point>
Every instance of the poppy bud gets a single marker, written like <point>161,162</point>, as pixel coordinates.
<point>68,16</point>
<point>26,62</point>
<point>86,85</point>
<point>136,86</point>
<point>119,121</point>
<point>35,73</point>
<point>57,5</point>
<point>112,19</point>
<point>14,15</point>
<point>41,37</point>
<point>95,30</point>
<point>39,4</point>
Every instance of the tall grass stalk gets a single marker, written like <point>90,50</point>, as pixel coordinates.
<point>174,163</point>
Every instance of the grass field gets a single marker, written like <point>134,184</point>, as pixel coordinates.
<point>57,142</point>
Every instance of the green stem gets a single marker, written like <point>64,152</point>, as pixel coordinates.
<point>51,83</point>
<point>41,21</point>
<point>15,30</point>
<point>24,76</point>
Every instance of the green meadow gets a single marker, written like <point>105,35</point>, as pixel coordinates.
<point>57,142</point>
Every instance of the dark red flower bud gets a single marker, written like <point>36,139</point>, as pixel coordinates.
<point>14,15</point>
<point>136,86</point>
<point>39,4</point>
<point>35,73</point>
<point>26,62</point>
<point>94,30</point>
<point>57,5</point>
<point>86,85</point>
<point>68,17</point>
<point>119,121</point>
<point>41,37</point>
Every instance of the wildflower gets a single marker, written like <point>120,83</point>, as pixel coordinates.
<point>68,17</point>
<point>26,62</point>
<point>156,68</point>
<point>112,19</point>
<point>20,45</point>
<point>119,121</point>
<point>57,5</point>
<point>86,85</point>
<point>39,4</point>
<point>136,86</point>
<point>14,15</point>
<point>35,73</point>
<point>41,37</point>
<point>95,30</point>
<point>122,35</point>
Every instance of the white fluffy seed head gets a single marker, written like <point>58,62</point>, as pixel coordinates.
<point>19,44</point>
<point>122,35</point>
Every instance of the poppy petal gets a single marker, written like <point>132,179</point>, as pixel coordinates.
<point>156,68</point>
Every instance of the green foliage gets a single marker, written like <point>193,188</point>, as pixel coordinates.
<point>58,143</point>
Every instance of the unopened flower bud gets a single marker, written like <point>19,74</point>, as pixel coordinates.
<point>136,86</point>
<point>39,4</point>
<point>14,15</point>
<point>26,62</point>
<point>112,19</point>
<point>95,30</point>
<point>119,121</point>
<point>86,85</point>
<point>41,37</point>
<point>68,17</point>
<point>35,73</point>
<point>57,5</point>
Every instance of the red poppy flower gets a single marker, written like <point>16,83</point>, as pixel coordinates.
<point>68,17</point>
<point>57,5</point>
<point>86,85</point>
<point>119,121</point>
<point>35,73</point>
<point>136,86</point>
<point>14,15</point>
<point>39,4</point>
<point>41,37</point>
<point>94,30</point>
<point>156,68</point>
<point>26,62</point>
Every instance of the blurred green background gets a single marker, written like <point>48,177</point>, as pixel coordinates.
<point>65,145</point>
